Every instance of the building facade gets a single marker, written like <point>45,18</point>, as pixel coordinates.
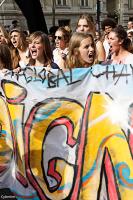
<point>66,12</point>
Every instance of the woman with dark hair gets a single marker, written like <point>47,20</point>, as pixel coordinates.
<point>120,46</point>
<point>130,35</point>
<point>40,51</point>
<point>107,26</point>
<point>62,37</point>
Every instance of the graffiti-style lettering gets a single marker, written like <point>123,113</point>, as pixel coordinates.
<point>113,138</point>
<point>52,79</point>
<point>56,158</point>
<point>6,132</point>
<point>116,75</point>
<point>15,94</point>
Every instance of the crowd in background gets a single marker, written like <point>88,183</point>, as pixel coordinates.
<point>63,48</point>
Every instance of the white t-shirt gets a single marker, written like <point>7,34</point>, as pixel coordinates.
<point>125,60</point>
<point>58,56</point>
<point>106,47</point>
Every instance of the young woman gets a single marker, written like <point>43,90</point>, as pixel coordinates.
<point>82,51</point>
<point>20,52</point>
<point>130,36</point>
<point>120,46</point>
<point>62,37</point>
<point>85,24</point>
<point>107,26</point>
<point>40,51</point>
<point>4,37</point>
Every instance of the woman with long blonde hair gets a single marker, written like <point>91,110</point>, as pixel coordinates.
<point>20,52</point>
<point>82,51</point>
<point>85,24</point>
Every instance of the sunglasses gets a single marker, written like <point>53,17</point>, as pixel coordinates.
<point>58,37</point>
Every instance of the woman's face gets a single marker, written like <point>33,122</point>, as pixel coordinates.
<point>114,42</point>
<point>2,39</point>
<point>130,36</point>
<point>59,40</point>
<point>87,51</point>
<point>36,48</point>
<point>83,26</point>
<point>97,36</point>
<point>15,39</point>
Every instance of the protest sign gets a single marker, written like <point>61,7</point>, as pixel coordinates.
<point>67,135</point>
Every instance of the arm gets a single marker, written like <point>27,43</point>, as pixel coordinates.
<point>100,51</point>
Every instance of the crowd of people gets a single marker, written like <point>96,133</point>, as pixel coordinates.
<point>64,48</point>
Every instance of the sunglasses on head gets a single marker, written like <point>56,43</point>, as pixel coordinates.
<point>58,37</point>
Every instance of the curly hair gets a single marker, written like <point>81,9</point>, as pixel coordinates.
<point>108,22</point>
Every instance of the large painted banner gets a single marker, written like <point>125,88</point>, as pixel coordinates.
<point>67,135</point>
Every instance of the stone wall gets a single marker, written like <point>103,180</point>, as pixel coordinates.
<point>10,11</point>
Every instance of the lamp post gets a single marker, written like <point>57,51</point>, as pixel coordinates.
<point>98,13</point>
<point>53,10</point>
<point>120,12</point>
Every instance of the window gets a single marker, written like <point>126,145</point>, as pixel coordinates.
<point>84,3</point>
<point>61,2</point>
<point>130,4</point>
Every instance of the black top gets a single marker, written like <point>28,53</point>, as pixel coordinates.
<point>54,66</point>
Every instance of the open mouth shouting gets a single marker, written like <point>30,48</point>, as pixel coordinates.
<point>111,48</point>
<point>91,56</point>
<point>33,53</point>
<point>14,43</point>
